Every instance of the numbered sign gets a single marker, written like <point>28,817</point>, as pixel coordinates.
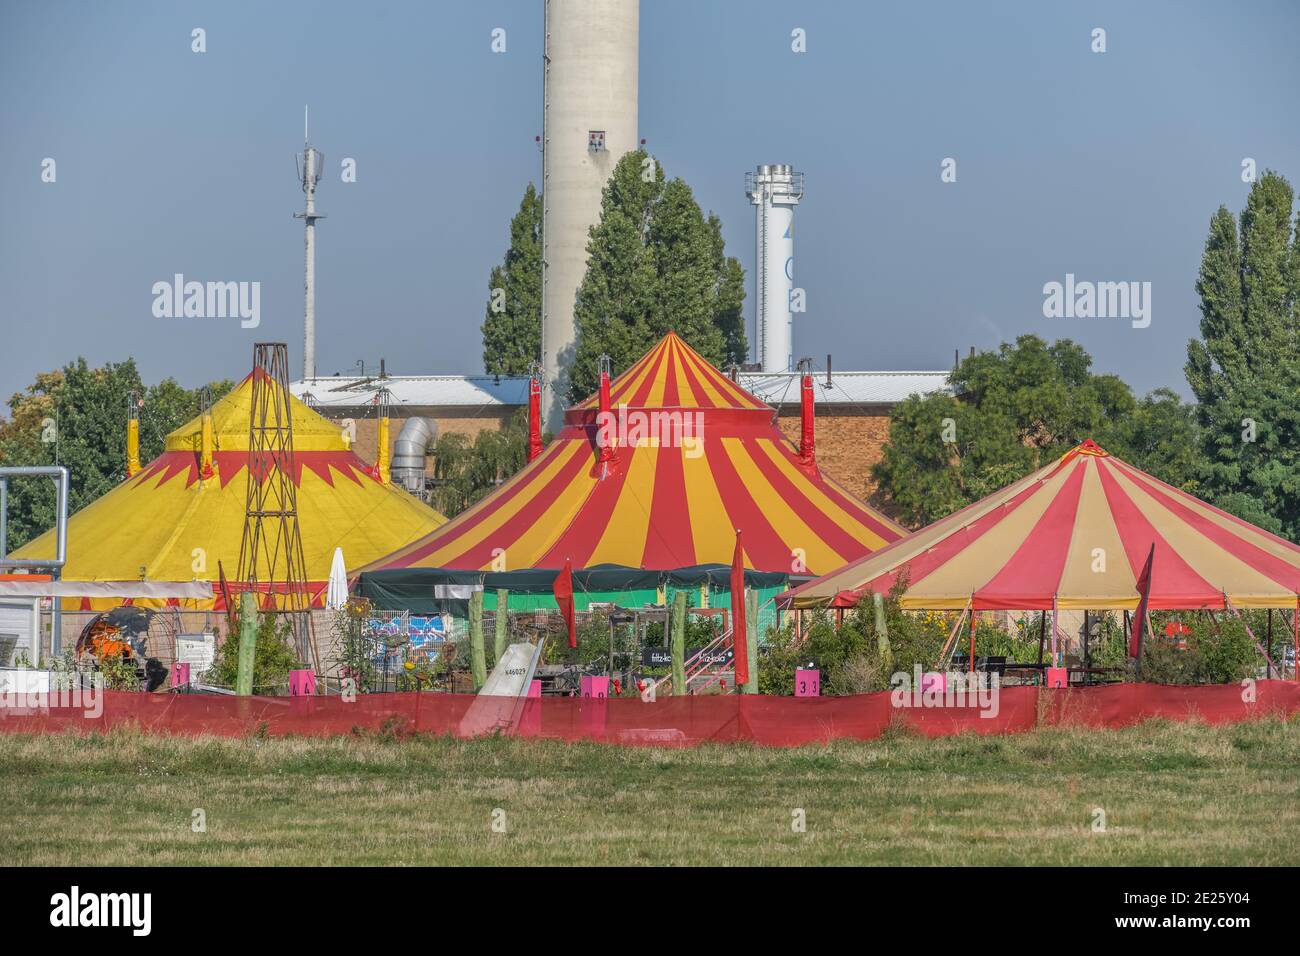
<point>302,683</point>
<point>934,682</point>
<point>535,689</point>
<point>597,687</point>
<point>1058,677</point>
<point>180,674</point>
<point>807,682</point>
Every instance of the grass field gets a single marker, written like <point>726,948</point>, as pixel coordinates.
<point>1172,793</point>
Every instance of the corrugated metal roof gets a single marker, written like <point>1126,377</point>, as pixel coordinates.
<point>845,388</point>
<point>472,391</point>
<point>423,390</point>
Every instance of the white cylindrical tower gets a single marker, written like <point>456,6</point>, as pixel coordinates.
<point>589,123</point>
<point>774,190</point>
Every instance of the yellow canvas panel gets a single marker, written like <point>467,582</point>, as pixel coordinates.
<point>789,527</point>
<point>623,540</point>
<point>231,417</point>
<point>904,550</point>
<point>1249,534</point>
<point>974,566</point>
<point>492,523</point>
<point>819,497</point>
<point>1219,568</point>
<point>713,536</point>
<point>1098,579</point>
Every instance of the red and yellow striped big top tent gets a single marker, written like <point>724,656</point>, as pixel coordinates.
<point>658,503</point>
<point>1076,532</point>
<point>173,522</point>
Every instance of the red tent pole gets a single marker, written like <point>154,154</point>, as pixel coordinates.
<point>534,417</point>
<point>605,417</point>
<point>807,453</point>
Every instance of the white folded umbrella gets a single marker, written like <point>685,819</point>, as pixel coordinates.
<point>338,590</point>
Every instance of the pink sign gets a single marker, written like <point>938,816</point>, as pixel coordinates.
<point>302,683</point>
<point>595,686</point>
<point>181,675</point>
<point>935,682</point>
<point>1058,677</point>
<point>535,689</point>
<point>807,682</point>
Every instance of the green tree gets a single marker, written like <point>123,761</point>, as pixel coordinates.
<point>467,470</point>
<point>1014,410</point>
<point>77,417</point>
<point>512,329</point>
<point>1245,368</point>
<point>655,263</point>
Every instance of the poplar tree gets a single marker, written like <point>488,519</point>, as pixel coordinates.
<point>512,328</point>
<point>1245,368</point>
<point>655,264</point>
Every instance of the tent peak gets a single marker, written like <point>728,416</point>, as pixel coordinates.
<point>1086,447</point>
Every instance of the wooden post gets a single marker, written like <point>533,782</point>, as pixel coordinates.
<point>677,634</point>
<point>477,662</point>
<point>1268,667</point>
<point>883,646</point>
<point>1042,635</point>
<point>971,662</point>
<point>1295,624</point>
<point>751,639</point>
<point>247,644</point>
<point>502,632</point>
<point>1086,662</point>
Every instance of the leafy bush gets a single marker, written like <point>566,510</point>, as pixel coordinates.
<point>273,660</point>
<point>1217,651</point>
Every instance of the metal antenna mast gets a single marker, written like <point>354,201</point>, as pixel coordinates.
<point>271,556</point>
<point>309,167</point>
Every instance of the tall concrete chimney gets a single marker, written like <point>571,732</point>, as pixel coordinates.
<point>589,123</point>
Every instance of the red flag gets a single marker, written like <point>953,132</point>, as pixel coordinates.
<point>534,417</point>
<point>738,632</point>
<point>563,589</point>
<point>1140,618</point>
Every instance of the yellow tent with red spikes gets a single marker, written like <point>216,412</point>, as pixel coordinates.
<point>184,512</point>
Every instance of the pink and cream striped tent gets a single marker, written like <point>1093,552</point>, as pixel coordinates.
<point>1074,534</point>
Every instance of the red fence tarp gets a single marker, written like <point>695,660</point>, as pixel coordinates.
<point>672,721</point>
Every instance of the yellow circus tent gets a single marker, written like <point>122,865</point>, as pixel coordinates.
<point>184,512</point>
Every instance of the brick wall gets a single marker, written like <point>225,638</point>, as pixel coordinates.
<point>848,442</point>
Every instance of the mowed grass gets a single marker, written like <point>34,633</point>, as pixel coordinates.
<point>1172,793</point>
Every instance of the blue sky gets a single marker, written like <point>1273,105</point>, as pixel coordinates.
<point>1107,166</point>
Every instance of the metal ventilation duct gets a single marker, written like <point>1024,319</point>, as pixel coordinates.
<point>410,453</point>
